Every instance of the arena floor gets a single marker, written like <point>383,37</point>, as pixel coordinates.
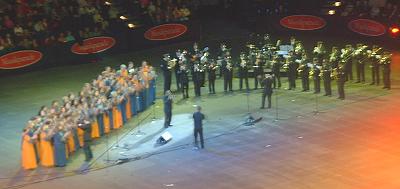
<point>346,144</point>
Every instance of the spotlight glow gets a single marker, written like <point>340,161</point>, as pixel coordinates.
<point>331,12</point>
<point>337,3</point>
<point>123,17</point>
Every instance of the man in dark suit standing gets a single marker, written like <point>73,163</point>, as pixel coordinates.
<point>198,126</point>
<point>167,108</point>
<point>267,92</point>
<point>85,125</point>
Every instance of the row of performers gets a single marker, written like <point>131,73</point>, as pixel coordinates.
<point>103,105</point>
<point>295,62</point>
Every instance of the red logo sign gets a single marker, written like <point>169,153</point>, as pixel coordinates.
<point>367,27</point>
<point>303,22</point>
<point>165,32</point>
<point>19,59</point>
<point>93,45</point>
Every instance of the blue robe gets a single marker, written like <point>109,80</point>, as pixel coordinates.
<point>100,121</point>
<point>122,108</point>
<point>133,104</point>
<point>59,150</point>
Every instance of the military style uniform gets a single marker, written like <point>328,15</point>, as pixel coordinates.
<point>374,59</point>
<point>292,73</point>
<point>385,63</point>
<point>341,79</point>
<point>316,75</point>
<point>228,74</point>
<point>326,76</point>
<point>211,78</point>
<point>358,59</point>
<point>243,72</point>
<point>184,81</point>
<point>167,73</point>
<point>304,72</point>
<point>276,70</point>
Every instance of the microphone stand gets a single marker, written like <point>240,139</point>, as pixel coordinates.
<point>138,133</point>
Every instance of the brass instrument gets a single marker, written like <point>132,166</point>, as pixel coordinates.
<point>171,63</point>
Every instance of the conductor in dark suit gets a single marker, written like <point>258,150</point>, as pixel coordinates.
<point>85,125</point>
<point>167,108</point>
<point>267,92</point>
<point>198,126</point>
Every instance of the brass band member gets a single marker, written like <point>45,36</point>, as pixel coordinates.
<point>197,74</point>
<point>348,62</point>
<point>212,68</point>
<point>277,62</point>
<point>326,76</point>
<point>243,71</point>
<point>303,71</point>
<point>166,66</point>
<point>374,59</point>
<point>334,57</point>
<point>228,74</point>
<point>291,70</point>
<point>319,51</point>
<point>359,60</point>
<point>184,72</point>
<point>258,70</point>
<point>385,62</point>
<point>341,79</point>
<point>316,71</point>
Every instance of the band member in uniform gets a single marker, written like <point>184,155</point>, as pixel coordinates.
<point>267,92</point>
<point>374,59</point>
<point>304,72</point>
<point>212,68</point>
<point>258,70</point>
<point>228,74</point>
<point>326,76</point>
<point>358,59</point>
<point>341,79</point>
<point>276,64</point>
<point>197,75</point>
<point>178,71</point>
<point>184,80</point>
<point>166,66</point>
<point>319,51</point>
<point>349,62</point>
<point>315,73</point>
<point>291,71</point>
<point>225,52</point>
<point>243,72</point>
<point>334,57</point>
<point>385,62</point>
<point>167,108</point>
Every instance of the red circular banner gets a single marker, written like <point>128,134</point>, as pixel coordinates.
<point>93,45</point>
<point>367,27</point>
<point>165,32</point>
<point>20,59</point>
<point>303,22</point>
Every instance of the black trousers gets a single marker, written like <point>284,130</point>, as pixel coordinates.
<point>360,72</point>
<point>386,79</point>
<point>167,82</point>
<point>375,74</point>
<point>228,81</point>
<point>178,81</point>
<point>292,80</point>
<point>327,83</point>
<point>185,89</point>
<point>197,83</point>
<point>277,79</point>
<point>317,84</point>
<point>340,85</point>
<point>87,150</point>
<point>211,85</point>
<point>263,100</point>
<point>305,82</point>
<point>168,117</point>
<point>349,71</point>
<point>198,131</point>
